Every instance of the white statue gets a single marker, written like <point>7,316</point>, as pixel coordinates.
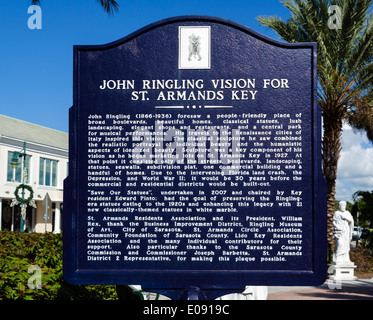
<point>343,227</point>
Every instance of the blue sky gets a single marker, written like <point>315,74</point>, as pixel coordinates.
<point>36,66</point>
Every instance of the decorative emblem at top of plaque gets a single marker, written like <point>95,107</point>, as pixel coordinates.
<point>194,47</point>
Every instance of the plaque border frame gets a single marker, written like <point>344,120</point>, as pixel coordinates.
<point>214,282</point>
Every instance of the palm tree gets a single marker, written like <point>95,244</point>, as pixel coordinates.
<point>344,70</point>
<point>110,6</point>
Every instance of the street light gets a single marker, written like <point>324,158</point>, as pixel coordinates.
<point>14,162</point>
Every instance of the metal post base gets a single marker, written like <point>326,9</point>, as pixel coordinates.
<point>192,293</point>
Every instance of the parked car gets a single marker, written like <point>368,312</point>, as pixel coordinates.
<point>356,234</point>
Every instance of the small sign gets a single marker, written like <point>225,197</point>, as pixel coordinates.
<point>47,202</point>
<point>195,161</point>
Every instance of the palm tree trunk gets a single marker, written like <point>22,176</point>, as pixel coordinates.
<point>331,152</point>
<point>330,213</point>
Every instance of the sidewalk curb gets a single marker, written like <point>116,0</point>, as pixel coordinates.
<point>361,289</point>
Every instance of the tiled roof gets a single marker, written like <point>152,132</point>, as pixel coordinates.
<point>30,132</point>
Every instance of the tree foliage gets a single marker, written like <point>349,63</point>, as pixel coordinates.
<point>344,71</point>
<point>364,205</point>
<point>345,56</point>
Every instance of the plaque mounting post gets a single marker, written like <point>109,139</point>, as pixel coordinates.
<point>192,293</point>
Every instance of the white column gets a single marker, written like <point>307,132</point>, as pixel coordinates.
<point>12,226</point>
<point>33,219</point>
<point>57,218</point>
<point>1,213</point>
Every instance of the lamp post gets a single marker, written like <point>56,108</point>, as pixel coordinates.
<point>14,163</point>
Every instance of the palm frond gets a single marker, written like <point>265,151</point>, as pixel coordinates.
<point>343,54</point>
<point>286,30</point>
<point>110,6</point>
<point>360,117</point>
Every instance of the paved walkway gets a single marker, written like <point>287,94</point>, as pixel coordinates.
<point>361,289</point>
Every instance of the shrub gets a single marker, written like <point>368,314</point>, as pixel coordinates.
<point>20,251</point>
<point>367,241</point>
<point>362,258</point>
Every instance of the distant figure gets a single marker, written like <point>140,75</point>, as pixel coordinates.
<point>343,227</point>
<point>194,47</point>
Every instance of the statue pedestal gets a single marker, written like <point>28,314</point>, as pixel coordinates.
<point>342,271</point>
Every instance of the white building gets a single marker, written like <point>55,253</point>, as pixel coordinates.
<point>46,165</point>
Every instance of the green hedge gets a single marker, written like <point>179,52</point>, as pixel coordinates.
<point>20,251</point>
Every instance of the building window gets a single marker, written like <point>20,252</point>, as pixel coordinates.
<point>15,174</point>
<point>48,172</point>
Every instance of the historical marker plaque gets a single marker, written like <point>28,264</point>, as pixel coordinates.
<point>195,160</point>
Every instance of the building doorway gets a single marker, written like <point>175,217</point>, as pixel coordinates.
<point>11,217</point>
